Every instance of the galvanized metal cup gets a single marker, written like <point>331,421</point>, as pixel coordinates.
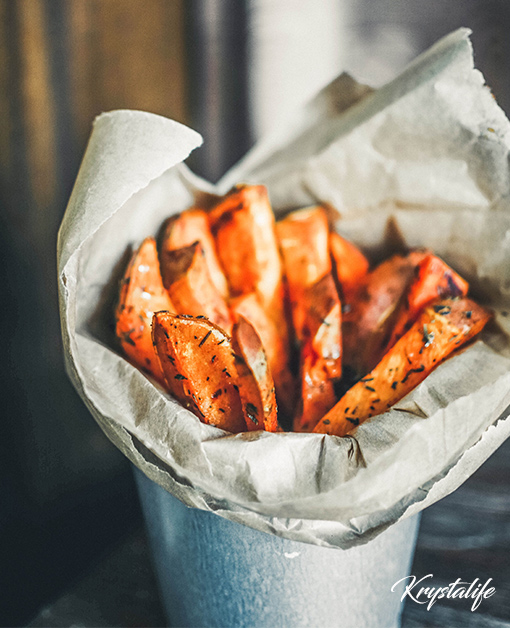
<point>216,573</point>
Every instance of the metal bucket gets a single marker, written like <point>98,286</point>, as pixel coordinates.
<point>213,572</point>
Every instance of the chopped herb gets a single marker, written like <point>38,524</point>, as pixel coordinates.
<point>221,341</point>
<point>236,387</point>
<point>185,316</point>
<point>221,410</point>
<point>353,421</point>
<point>166,333</point>
<point>212,359</point>
<point>468,314</point>
<point>179,376</point>
<point>367,379</point>
<point>205,338</point>
<point>420,369</point>
<point>326,422</point>
<point>370,388</point>
<point>200,317</point>
<point>126,337</point>
<point>217,394</point>
<point>442,309</point>
<point>394,385</point>
<point>346,410</point>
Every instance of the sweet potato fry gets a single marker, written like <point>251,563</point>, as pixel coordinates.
<point>186,276</point>
<point>256,386</point>
<point>188,227</point>
<point>321,353</point>
<point>350,266</point>
<point>141,294</point>
<point>243,226</point>
<point>433,279</point>
<point>303,238</point>
<point>199,368</point>
<point>366,323</point>
<point>440,329</point>
<point>249,307</point>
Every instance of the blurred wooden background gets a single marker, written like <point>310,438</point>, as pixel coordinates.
<point>65,492</point>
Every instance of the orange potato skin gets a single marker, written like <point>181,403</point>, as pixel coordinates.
<point>303,238</point>
<point>199,367</point>
<point>349,264</point>
<point>433,279</point>
<point>186,276</point>
<point>249,307</point>
<point>142,293</point>
<point>187,228</point>
<point>321,353</point>
<point>368,318</point>
<point>440,329</point>
<point>256,386</point>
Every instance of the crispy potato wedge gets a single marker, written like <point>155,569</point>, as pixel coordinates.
<point>141,294</point>
<point>199,367</point>
<point>321,353</point>
<point>367,322</point>
<point>303,238</point>
<point>440,329</point>
<point>433,280</point>
<point>187,228</point>
<point>186,276</point>
<point>243,227</point>
<point>256,386</point>
<point>249,307</point>
<point>350,266</point>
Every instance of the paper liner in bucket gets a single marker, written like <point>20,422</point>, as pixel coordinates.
<point>423,160</point>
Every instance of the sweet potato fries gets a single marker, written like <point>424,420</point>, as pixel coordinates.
<point>254,324</point>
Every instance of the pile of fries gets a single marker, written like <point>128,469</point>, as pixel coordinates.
<point>257,325</point>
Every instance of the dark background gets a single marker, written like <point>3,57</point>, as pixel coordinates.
<point>66,494</point>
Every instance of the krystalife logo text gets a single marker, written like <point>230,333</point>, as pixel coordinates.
<point>417,591</point>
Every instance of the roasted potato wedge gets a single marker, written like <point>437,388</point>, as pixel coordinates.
<point>186,276</point>
<point>243,227</point>
<point>256,386</point>
<point>142,293</point>
<point>321,353</point>
<point>350,266</point>
<point>440,329</point>
<point>185,229</point>
<point>249,307</point>
<point>199,367</point>
<point>433,280</point>
<point>368,319</point>
<point>303,238</point>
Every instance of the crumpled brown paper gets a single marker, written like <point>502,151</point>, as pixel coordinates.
<point>424,161</point>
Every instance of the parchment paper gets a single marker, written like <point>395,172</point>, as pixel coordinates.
<point>422,161</point>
